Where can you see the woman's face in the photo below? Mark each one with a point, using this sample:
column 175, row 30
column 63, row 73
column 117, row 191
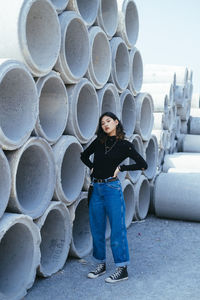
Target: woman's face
column 109, row 125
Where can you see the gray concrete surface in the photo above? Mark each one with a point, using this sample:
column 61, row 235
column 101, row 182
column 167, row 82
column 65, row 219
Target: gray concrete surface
column 165, row 265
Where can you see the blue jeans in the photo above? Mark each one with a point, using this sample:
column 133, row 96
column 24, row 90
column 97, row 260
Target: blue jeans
column 107, row 200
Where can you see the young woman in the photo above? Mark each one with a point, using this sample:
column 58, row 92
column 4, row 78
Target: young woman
column 110, row 149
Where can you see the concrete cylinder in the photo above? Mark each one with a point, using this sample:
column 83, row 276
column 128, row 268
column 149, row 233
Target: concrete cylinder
column 136, row 71
column 138, row 145
column 158, row 120
column 194, row 125
column 81, row 244
column 5, row 182
column 19, row 255
column 53, row 107
column 129, row 198
column 177, row 196
column 181, row 75
column 87, row 9
column 56, row 232
column 191, row 143
column 120, row 71
column 74, row 53
column 181, row 160
column 109, row 100
column 83, row 110
column 184, row 111
column 107, row 17
column 19, row 104
column 30, row 33
column 100, row 60
column 60, row 5
column 128, row 22
column 33, row 177
column 161, row 136
column 128, row 112
column 70, row 171
column 142, row 198
column 144, row 115
column 151, row 155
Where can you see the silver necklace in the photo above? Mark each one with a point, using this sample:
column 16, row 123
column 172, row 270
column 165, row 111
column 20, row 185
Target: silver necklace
column 109, row 148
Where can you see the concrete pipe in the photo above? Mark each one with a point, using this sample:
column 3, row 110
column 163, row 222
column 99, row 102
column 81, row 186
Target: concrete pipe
column 181, row 160
column 109, row 100
column 191, row 143
column 158, row 120
column 81, row 244
column 179, row 95
column 33, row 177
column 56, row 233
column 87, row 9
column 53, row 107
column 181, row 75
column 175, row 170
column 162, row 94
column 87, row 178
column 161, row 155
column 184, row 111
column 138, row 145
column 195, row 101
column 177, row 196
column 107, row 17
column 19, row 255
column 178, row 126
column 151, row 150
column 161, row 136
column 120, row 71
column 5, row 182
column 136, row 71
column 128, row 193
column 100, row 60
column 60, row 5
column 128, row 112
column 30, row 33
column 83, row 111
column 128, row 22
column 194, row 125
column 195, row 112
column 144, row 115
column 74, row 56
column 142, row 198
column 70, row 171
column 185, row 127
column 18, row 104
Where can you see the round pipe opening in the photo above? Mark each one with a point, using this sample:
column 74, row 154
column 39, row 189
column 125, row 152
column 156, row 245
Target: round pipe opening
column 144, row 199
column 129, row 115
column 146, row 117
column 109, row 13
column 88, row 10
column 109, row 102
column 122, row 66
column 132, row 22
column 137, row 72
column 130, row 204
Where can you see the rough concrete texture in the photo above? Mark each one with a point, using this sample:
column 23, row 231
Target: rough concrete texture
column 136, row 71
column 151, row 157
column 59, row 5
column 5, row 182
column 129, row 198
column 164, row 266
column 128, row 112
column 142, row 198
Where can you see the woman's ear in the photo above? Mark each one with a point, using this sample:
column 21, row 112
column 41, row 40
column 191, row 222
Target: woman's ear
column 116, row 122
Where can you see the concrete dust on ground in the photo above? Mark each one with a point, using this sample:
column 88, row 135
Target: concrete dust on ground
column 165, row 265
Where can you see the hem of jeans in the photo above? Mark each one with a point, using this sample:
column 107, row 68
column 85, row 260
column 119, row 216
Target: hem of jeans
column 99, row 260
column 122, row 264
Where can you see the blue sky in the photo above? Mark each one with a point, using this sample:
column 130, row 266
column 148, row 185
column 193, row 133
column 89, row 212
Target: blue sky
column 169, row 33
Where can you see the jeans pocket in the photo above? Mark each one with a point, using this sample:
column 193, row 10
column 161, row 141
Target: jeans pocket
column 116, row 185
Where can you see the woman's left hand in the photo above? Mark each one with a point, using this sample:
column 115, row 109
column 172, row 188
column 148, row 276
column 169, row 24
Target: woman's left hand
column 116, row 172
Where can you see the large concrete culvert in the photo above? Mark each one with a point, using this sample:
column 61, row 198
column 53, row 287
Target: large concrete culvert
column 53, row 107
column 56, row 232
column 19, row 255
column 34, row 29
column 129, row 198
column 70, row 171
column 128, row 112
column 33, row 177
column 142, row 198
column 5, row 182
column 18, row 104
column 81, row 244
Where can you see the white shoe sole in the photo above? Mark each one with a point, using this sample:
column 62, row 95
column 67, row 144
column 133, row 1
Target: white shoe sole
column 109, row 280
column 93, row 276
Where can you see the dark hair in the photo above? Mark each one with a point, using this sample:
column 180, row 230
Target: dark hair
column 101, row 135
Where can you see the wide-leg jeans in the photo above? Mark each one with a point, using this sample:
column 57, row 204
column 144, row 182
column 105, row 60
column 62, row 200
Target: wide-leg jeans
column 107, row 200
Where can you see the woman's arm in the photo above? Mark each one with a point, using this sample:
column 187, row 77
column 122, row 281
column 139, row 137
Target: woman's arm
column 86, row 154
column 140, row 163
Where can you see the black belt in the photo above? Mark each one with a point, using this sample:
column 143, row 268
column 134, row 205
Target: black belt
column 105, row 180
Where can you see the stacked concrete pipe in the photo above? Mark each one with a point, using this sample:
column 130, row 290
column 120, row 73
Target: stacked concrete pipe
column 67, row 157
column 136, row 71
column 5, row 182
column 83, row 103
column 33, row 177
column 129, row 198
column 33, row 28
column 142, row 198
column 56, row 232
column 53, row 107
column 88, row 10
column 128, row 112
column 151, row 154
column 81, row 244
column 74, row 53
column 19, row 104
column 19, row 248
column 60, row 5
column 107, row 17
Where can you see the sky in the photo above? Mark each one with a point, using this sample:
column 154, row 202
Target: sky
column 169, row 33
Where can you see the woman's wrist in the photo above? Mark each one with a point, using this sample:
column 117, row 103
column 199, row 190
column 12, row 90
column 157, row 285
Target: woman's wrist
column 119, row 168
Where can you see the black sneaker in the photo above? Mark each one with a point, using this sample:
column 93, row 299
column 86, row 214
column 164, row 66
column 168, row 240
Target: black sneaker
column 100, row 270
column 120, row 274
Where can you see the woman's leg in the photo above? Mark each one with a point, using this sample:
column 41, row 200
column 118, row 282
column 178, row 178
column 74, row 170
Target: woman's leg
column 97, row 215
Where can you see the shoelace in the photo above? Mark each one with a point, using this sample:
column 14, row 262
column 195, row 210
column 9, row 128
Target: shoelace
column 117, row 273
column 99, row 268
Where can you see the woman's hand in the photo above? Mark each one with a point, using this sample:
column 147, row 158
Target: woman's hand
column 116, row 172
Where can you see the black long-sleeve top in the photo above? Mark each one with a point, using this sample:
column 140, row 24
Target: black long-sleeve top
column 105, row 164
